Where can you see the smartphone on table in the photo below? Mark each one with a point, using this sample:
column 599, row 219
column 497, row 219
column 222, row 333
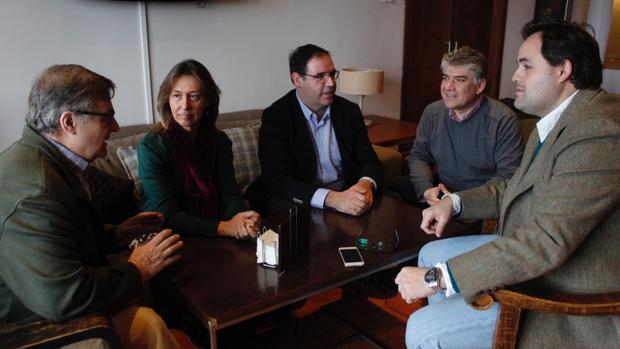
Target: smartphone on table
column 351, row 256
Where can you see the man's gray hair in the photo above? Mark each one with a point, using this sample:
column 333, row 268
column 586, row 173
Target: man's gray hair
column 61, row 88
column 468, row 57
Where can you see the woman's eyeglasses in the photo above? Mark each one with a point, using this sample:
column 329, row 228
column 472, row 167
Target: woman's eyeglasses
column 365, row 244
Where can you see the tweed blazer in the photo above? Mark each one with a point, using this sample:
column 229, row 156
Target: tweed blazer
column 52, row 243
column 559, row 224
column 287, row 153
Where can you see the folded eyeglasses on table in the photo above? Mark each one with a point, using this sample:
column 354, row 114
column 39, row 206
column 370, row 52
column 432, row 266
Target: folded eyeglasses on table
column 366, row 244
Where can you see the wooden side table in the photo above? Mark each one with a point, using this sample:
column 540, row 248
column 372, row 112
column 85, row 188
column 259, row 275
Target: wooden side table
column 388, row 132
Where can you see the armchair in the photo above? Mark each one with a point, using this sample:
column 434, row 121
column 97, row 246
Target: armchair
column 513, row 303
column 46, row 334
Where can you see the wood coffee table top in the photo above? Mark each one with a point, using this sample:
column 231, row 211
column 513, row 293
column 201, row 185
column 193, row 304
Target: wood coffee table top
column 221, row 284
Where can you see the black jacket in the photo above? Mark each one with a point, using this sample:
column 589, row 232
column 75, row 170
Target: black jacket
column 287, row 153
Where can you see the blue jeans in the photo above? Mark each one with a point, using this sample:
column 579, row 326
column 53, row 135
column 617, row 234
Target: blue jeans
column 450, row 322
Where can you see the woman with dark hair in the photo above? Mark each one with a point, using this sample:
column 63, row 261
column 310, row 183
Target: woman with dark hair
column 186, row 164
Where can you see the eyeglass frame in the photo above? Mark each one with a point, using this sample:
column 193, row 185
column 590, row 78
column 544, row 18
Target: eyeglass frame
column 363, row 243
column 334, row 74
column 108, row 115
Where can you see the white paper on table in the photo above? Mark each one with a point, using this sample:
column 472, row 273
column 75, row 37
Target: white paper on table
column 267, row 248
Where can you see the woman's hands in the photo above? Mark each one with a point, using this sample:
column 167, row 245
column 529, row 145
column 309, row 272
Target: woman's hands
column 242, row 226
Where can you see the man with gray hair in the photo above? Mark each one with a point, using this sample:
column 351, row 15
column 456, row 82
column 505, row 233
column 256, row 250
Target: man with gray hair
column 463, row 141
column 52, row 242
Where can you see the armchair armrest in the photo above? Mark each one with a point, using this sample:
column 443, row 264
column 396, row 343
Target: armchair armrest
column 560, row 302
column 47, row 334
column 514, row 302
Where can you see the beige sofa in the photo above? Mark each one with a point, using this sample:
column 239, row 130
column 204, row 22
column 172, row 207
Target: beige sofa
column 241, row 127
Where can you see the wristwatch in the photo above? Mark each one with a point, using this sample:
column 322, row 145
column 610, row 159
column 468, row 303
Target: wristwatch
column 432, row 278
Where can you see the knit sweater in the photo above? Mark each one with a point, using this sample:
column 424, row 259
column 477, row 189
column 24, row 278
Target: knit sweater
column 486, row 147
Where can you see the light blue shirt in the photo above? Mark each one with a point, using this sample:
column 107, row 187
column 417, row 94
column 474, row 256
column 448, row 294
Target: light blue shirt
column 73, row 157
column 329, row 161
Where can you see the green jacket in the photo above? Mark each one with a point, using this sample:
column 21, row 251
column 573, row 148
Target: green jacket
column 163, row 190
column 52, row 243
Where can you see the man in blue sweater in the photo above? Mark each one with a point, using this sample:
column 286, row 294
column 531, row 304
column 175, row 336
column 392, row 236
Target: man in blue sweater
column 463, row 141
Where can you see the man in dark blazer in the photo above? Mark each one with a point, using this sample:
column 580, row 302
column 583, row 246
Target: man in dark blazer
column 53, row 244
column 559, row 215
column 313, row 145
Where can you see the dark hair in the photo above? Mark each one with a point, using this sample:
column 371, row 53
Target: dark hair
column 298, row 59
column 209, row 88
column 569, row 41
column 61, row 88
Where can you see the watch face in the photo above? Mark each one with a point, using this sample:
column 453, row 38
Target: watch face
column 431, row 275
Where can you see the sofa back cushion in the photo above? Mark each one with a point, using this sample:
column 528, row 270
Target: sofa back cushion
column 244, row 147
column 111, row 162
column 132, row 134
column 245, row 153
column 129, row 159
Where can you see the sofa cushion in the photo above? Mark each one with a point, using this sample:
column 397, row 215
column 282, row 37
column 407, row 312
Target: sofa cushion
column 238, row 118
column 244, row 147
column 245, row 153
column 246, row 164
column 391, row 161
column 129, row 159
column 111, row 163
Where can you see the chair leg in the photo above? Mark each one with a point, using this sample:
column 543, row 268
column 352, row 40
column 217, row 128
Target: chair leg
column 507, row 327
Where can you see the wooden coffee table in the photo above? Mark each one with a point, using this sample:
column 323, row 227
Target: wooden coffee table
column 220, row 283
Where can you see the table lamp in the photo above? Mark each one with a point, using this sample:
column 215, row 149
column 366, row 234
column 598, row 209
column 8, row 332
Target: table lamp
column 361, row 82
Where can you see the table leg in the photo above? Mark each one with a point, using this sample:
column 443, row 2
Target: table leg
column 212, row 332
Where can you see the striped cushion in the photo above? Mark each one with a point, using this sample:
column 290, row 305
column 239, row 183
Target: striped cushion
column 245, row 152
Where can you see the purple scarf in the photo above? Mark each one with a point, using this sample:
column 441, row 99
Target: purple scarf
column 197, row 161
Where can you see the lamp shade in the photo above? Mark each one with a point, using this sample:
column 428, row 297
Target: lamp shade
column 361, row 82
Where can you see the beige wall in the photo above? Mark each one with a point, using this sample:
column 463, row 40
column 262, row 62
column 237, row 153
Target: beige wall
column 597, row 13
column 101, row 35
column 244, row 43
column 519, row 12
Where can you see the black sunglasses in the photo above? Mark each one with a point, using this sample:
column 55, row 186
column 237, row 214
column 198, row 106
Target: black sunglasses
column 365, row 244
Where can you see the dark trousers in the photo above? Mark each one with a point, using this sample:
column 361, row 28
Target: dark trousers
column 401, row 189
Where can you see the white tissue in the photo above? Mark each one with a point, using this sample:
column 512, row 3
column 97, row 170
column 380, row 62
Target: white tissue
column 267, row 248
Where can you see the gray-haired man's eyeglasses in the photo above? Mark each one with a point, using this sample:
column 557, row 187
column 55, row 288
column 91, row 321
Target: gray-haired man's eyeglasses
column 109, row 114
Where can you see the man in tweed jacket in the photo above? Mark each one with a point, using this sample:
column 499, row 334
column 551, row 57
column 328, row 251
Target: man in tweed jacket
column 559, row 214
